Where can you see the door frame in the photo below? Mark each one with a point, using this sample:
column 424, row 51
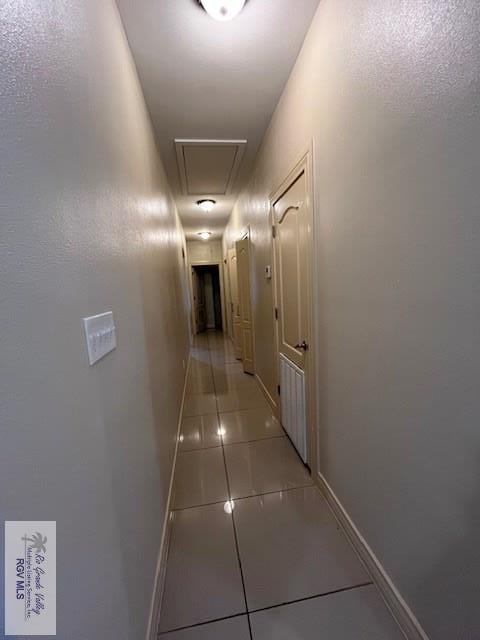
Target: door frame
column 245, row 235
column 303, row 164
column 206, row 263
column 228, row 296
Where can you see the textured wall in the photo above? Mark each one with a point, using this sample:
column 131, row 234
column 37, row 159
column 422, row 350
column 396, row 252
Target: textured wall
column 86, row 225
column 204, row 251
column 389, row 92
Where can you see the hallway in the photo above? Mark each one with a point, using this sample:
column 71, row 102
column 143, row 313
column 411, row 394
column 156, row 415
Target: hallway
column 301, row 176
column 250, row 532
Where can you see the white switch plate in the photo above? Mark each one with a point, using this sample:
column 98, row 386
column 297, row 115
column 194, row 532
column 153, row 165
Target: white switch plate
column 100, row 335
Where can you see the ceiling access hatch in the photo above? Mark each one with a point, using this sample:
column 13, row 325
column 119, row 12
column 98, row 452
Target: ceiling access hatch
column 208, row 167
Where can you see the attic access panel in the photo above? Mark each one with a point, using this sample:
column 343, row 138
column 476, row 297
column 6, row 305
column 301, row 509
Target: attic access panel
column 208, row 167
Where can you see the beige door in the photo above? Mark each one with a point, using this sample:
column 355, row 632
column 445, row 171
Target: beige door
column 199, row 312
column 292, row 228
column 292, row 278
column 246, row 327
column 234, row 303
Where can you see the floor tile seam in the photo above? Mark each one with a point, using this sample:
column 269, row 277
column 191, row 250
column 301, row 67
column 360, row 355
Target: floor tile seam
column 247, row 409
column 255, row 495
column 237, row 546
column 199, row 506
column 262, row 439
column 234, row 444
column 202, row 624
column 287, row 603
column 323, row 594
column 271, row 493
column 204, row 415
column 214, row 446
column 237, row 549
column 229, row 444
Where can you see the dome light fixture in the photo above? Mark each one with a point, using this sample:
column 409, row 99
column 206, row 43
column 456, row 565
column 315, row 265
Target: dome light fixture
column 222, row 10
column 206, row 205
column 204, row 235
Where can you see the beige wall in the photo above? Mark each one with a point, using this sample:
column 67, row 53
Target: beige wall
column 87, row 224
column 204, row 251
column 388, row 91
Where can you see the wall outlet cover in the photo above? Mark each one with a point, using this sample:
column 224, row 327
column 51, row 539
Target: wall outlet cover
column 100, row 334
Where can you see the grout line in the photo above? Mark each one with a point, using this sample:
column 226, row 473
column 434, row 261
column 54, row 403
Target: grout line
column 255, row 495
column 214, row 446
column 234, row 444
column 317, row 595
column 269, row 493
column 233, row 524
column 221, row 413
column 273, row 606
column 237, row 547
column 202, row 624
column 199, row 506
column 230, row 444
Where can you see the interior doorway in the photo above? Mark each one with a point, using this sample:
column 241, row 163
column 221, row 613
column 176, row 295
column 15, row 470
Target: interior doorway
column 207, row 298
column 292, row 220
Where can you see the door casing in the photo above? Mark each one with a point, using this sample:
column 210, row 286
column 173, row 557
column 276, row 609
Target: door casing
column 206, row 263
column 303, row 165
column 245, row 300
column 228, row 297
column 198, row 303
column 234, row 311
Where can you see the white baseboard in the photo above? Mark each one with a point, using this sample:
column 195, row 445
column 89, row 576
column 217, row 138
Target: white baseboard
column 267, row 394
column 400, row 610
column 159, row 581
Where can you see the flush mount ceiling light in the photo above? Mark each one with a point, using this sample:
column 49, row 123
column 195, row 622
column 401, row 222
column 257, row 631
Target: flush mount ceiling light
column 222, row 10
column 204, row 235
column 206, row 205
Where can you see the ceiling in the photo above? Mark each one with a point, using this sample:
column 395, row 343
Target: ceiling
column 211, row 80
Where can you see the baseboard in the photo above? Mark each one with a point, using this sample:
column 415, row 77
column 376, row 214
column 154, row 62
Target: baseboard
column 267, row 394
column 400, row 610
column 159, row 582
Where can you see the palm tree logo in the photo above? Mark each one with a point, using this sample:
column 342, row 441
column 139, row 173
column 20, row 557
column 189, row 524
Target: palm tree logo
column 38, row 542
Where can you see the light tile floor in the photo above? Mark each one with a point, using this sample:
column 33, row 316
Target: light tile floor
column 255, row 553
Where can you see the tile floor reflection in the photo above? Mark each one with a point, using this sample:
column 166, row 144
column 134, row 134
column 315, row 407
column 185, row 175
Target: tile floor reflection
column 255, row 552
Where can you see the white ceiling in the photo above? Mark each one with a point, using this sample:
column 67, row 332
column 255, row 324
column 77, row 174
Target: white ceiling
column 204, row 79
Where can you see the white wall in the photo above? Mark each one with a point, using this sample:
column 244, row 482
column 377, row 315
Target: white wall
column 389, row 92
column 87, row 224
column 204, row 250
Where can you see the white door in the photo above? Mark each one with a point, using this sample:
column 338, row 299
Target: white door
column 234, row 303
column 292, row 280
column 246, row 326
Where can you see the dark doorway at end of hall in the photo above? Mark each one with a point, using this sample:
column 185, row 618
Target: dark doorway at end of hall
column 207, row 298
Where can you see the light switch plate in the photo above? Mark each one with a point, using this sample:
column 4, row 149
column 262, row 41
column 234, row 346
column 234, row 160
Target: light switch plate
column 100, row 335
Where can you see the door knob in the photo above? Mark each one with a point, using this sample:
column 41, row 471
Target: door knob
column 302, row 345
